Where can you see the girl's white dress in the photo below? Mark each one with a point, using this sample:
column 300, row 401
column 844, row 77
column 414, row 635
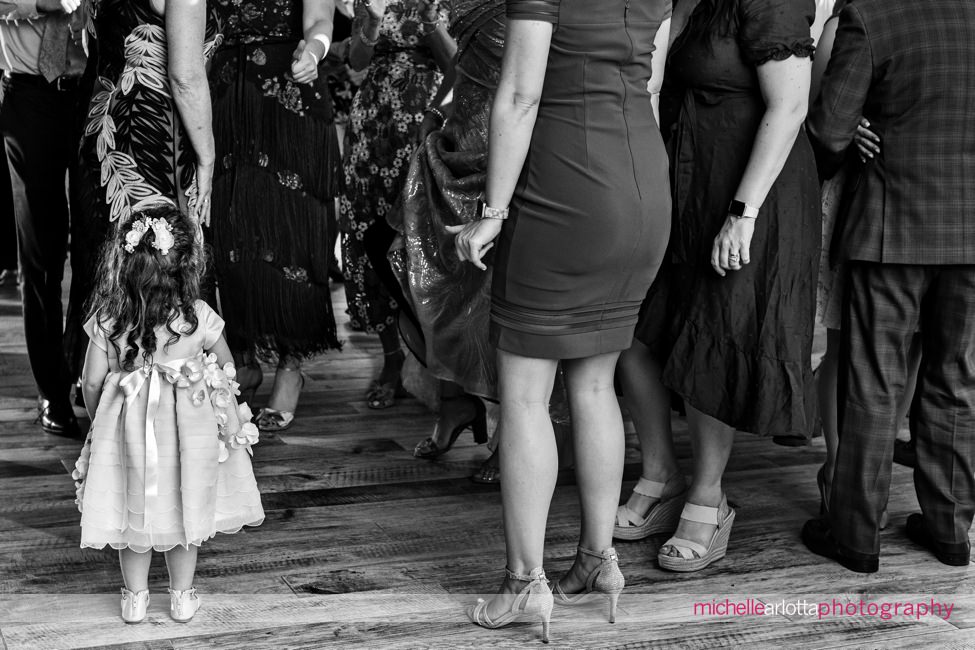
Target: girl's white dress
column 167, row 460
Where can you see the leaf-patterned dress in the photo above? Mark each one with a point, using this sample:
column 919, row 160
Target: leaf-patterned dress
column 134, row 152
column 386, row 114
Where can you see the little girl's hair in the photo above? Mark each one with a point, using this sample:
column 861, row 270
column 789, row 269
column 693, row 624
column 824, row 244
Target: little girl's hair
column 149, row 275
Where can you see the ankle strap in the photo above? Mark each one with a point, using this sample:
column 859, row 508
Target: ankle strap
column 655, row 489
column 609, row 554
column 537, row 574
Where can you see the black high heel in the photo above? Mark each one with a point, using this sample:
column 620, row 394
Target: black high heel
column 430, row 449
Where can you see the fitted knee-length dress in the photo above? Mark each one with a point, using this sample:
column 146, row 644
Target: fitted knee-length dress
column 590, row 218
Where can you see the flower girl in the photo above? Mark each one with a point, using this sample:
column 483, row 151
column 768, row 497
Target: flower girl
column 166, row 464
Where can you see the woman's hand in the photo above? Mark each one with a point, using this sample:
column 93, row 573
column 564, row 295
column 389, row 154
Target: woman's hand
column 427, row 10
column 70, row 6
column 868, row 142
column 376, row 9
column 731, row 246
column 431, row 122
column 204, row 188
column 304, row 61
column 475, row 239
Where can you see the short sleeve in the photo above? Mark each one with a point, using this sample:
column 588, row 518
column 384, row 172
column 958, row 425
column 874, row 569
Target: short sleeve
column 96, row 333
column 211, row 323
column 544, row 10
column 776, row 29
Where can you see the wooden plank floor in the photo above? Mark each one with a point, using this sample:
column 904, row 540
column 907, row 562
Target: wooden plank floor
column 365, row 546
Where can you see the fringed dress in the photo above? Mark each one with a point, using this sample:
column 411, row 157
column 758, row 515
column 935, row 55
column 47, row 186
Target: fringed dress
column 274, row 185
column 166, row 463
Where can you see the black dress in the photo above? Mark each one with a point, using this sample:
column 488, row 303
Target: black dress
column 737, row 348
column 274, row 184
column 591, row 212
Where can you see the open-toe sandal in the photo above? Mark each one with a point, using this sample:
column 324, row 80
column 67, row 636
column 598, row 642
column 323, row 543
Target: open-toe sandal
column 692, row 556
column 663, row 516
column 270, row 420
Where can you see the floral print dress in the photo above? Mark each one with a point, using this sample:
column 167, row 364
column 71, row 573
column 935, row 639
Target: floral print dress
column 274, row 184
column 386, row 114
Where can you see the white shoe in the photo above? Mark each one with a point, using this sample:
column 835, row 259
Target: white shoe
column 134, row 605
column 183, row 604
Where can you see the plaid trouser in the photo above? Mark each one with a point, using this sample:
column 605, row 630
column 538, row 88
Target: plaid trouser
column 885, row 305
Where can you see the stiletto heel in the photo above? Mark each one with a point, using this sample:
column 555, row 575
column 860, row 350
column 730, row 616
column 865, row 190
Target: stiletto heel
column 534, row 601
column 429, row 448
column 613, row 599
column 605, row 579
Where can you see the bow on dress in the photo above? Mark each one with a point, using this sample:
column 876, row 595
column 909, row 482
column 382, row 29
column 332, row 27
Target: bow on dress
column 182, row 373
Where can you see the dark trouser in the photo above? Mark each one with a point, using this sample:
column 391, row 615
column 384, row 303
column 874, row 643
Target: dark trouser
column 40, row 129
column 8, row 225
column 884, row 307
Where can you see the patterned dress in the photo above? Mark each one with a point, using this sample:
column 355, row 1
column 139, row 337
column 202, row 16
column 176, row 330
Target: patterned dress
column 274, row 184
column 452, row 301
column 386, row 115
column 134, row 151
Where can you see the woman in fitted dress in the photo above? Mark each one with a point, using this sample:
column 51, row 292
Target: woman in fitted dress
column 575, row 151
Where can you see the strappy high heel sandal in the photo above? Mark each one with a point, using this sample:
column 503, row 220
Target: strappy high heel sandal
column 604, row 579
column 692, row 556
column 534, row 601
column 270, row 420
column 430, row 449
column 382, row 395
column 662, row 517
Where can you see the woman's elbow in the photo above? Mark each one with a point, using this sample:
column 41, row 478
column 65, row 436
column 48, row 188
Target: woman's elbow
column 187, row 80
column 525, row 103
column 791, row 111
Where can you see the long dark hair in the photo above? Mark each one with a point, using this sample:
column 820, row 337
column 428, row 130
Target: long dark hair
column 142, row 289
column 712, row 18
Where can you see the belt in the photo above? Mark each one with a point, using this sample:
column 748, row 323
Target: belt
column 61, row 84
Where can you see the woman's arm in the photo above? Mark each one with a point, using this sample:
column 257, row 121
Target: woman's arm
column 823, row 50
column 365, row 32
column 436, row 37
column 512, row 122
column 317, row 18
column 185, row 33
column 660, row 44
column 93, row 377
column 785, row 89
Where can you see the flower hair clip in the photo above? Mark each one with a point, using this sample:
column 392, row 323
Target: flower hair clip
column 163, row 241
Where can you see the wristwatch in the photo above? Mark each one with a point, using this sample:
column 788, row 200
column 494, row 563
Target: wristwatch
column 742, row 210
column 484, row 211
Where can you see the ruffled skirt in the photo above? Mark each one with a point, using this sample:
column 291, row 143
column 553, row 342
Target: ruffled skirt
column 175, row 492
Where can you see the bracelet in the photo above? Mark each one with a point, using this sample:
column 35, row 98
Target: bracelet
column 324, row 40
column 434, row 23
column 368, row 42
column 484, row 211
column 439, row 113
